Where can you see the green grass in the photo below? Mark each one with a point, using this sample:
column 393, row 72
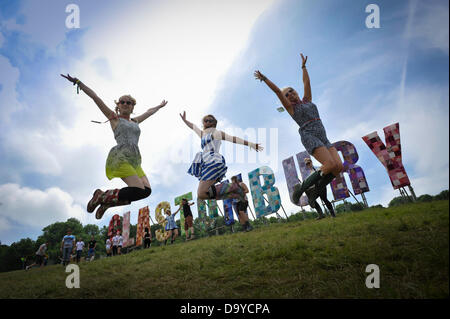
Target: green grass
column 307, row 259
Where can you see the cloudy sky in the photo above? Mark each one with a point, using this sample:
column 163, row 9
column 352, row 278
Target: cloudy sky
column 200, row 56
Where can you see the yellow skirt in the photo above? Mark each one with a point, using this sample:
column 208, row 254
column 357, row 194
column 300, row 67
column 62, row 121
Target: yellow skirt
column 124, row 170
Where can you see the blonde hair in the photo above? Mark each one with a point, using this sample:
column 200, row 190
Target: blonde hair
column 133, row 100
column 287, row 88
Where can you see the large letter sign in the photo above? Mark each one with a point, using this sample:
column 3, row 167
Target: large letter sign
column 338, row 185
column 355, row 172
column 212, row 208
column 127, row 241
column 259, row 190
column 290, row 172
column 161, row 235
column 143, row 222
column 114, row 226
column 390, row 155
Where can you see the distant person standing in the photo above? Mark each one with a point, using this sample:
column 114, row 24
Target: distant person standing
column 147, row 238
column 40, row 254
column 115, row 244
column 188, row 219
column 171, row 226
column 91, row 248
column 242, row 205
column 67, row 246
column 80, row 247
column 108, row 247
column 119, row 243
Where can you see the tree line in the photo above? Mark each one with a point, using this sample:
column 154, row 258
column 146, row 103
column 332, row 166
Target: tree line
column 10, row 256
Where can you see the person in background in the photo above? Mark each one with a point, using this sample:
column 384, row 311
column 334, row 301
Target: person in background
column 147, row 238
column 91, row 248
column 242, row 205
column 80, row 247
column 108, row 247
column 40, row 254
column 171, row 226
column 115, row 244
column 188, row 219
column 119, row 243
column 67, row 246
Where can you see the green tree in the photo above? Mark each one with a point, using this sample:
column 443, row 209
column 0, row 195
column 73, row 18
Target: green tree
column 442, row 195
column 425, row 198
column 91, row 229
column 397, row 201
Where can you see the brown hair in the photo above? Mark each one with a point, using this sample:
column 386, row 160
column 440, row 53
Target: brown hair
column 214, row 119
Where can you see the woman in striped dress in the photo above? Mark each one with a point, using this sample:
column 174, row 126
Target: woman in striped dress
column 209, row 165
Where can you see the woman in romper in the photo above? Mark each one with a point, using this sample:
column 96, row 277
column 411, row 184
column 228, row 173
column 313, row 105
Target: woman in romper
column 209, row 165
column 171, row 226
column 312, row 133
column 124, row 159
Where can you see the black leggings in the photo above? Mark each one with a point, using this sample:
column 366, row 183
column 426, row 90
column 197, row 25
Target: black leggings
column 323, row 197
column 132, row 194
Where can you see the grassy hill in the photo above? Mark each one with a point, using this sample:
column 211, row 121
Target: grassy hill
column 305, row 259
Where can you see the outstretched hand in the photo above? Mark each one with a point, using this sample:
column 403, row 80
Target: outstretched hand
column 71, row 79
column 259, row 76
column 303, row 59
column 163, row 103
column 183, row 116
column 257, row 147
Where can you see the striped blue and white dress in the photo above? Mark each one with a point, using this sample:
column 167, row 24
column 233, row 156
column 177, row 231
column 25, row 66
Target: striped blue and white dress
column 209, row 164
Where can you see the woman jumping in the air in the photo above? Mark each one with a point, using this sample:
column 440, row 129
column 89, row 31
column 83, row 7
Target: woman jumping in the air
column 312, row 133
column 124, row 159
column 209, row 165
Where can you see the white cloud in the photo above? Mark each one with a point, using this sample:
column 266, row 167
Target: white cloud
column 153, row 53
column 37, row 208
column 8, row 94
column 430, row 27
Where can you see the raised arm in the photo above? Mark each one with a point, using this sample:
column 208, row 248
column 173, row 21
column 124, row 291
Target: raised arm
column 306, row 84
column 191, row 125
column 259, row 76
column 150, row 112
column 110, row 114
column 236, row 140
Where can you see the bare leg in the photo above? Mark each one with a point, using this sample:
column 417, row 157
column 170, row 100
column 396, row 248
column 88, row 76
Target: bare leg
column 203, row 187
column 134, row 181
column 145, row 181
column 243, row 218
column 337, row 160
column 324, row 156
column 175, row 235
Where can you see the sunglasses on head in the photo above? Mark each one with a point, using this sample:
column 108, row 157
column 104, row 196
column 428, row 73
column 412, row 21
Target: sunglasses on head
column 126, row 102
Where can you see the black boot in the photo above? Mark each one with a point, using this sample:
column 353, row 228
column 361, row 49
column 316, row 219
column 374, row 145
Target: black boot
column 325, row 180
column 300, row 188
